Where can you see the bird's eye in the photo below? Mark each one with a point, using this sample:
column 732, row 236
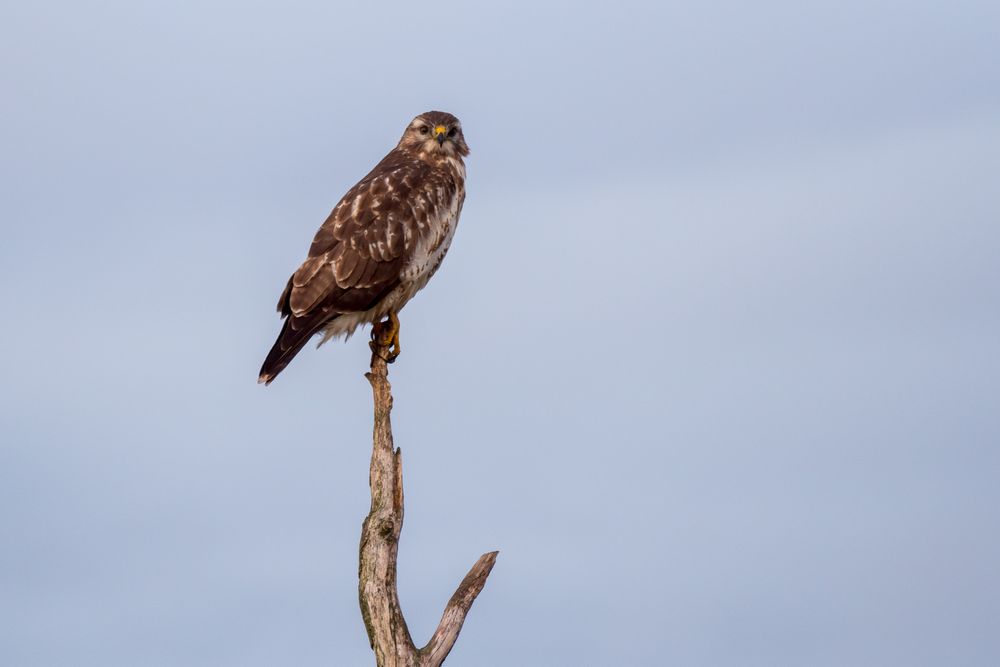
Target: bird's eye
column 452, row 131
column 424, row 129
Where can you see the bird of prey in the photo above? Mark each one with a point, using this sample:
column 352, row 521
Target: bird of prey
column 379, row 246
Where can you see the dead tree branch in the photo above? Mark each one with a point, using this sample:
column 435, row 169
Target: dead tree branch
column 377, row 593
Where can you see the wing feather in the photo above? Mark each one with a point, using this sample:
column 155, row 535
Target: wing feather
column 344, row 261
column 358, row 254
column 309, row 293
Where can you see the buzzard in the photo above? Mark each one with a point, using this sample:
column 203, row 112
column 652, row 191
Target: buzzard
column 379, row 246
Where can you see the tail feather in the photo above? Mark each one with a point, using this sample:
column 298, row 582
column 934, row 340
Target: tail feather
column 295, row 333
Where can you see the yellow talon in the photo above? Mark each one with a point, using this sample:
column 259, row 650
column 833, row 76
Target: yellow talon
column 386, row 335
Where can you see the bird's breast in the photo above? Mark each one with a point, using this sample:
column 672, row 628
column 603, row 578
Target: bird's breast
column 433, row 241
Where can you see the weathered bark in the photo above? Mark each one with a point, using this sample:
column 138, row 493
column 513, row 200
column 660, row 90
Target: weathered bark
column 387, row 631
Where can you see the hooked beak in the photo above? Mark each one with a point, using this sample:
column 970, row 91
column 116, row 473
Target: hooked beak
column 440, row 133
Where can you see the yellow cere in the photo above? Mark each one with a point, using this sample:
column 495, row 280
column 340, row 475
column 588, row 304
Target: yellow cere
column 440, row 129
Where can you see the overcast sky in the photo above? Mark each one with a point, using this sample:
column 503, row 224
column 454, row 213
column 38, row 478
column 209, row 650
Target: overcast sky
column 714, row 360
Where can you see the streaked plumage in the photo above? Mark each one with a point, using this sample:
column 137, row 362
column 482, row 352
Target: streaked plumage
column 382, row 242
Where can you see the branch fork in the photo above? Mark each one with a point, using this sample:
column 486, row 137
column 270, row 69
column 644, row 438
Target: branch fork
column 387, row 632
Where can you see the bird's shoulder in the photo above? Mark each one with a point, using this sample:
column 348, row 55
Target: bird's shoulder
column 378, row 204
column 368, row 238
column 360, row 246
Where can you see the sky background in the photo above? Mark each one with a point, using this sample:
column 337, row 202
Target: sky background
column 714, row 360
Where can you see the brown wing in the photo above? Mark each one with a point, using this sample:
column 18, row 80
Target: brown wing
column 356, row 257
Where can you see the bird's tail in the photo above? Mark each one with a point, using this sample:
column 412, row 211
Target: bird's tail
column 295, row 333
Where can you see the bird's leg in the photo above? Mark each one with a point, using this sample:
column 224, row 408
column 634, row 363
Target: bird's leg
column 394, row 324
column 386, row 334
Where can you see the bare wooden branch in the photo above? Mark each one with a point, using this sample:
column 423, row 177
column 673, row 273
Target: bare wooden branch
column 444, row 637
column 377, row 592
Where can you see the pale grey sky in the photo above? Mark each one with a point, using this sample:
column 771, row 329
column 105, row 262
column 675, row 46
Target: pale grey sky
column 714, row 360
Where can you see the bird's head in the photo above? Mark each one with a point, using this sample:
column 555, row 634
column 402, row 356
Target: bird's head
column 435, row 133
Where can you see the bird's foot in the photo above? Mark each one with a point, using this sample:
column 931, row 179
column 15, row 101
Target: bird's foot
column 385, row 337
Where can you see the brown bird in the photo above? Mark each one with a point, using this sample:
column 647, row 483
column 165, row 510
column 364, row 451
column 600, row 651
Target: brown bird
column 380, row 245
